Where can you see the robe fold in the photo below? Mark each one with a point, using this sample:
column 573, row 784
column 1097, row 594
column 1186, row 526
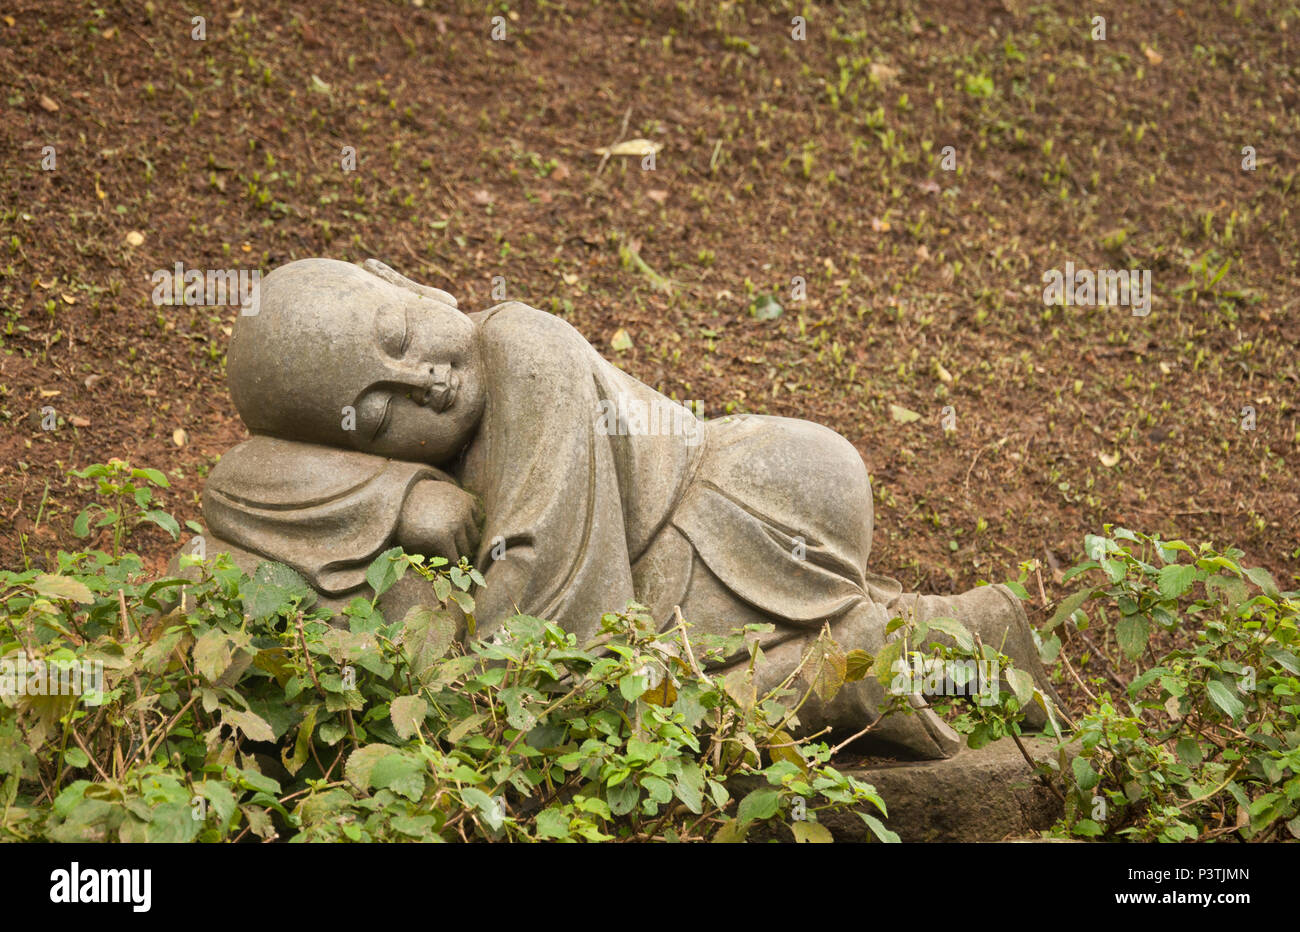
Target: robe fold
column 326, row 513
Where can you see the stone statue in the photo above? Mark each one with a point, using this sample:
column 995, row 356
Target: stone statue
column 381, row 414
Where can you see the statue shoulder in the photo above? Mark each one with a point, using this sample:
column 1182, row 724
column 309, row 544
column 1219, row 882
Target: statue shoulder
column 514, row 330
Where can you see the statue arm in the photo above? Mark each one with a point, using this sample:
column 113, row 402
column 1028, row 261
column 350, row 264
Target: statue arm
column 554, row 543
column 439, row 519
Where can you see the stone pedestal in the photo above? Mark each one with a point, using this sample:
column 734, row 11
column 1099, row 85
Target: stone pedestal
column 976, row 796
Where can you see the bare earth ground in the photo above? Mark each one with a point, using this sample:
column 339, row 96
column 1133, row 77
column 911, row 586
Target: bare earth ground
column 780, row 158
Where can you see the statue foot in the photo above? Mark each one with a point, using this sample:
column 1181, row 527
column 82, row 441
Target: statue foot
column 995, row 614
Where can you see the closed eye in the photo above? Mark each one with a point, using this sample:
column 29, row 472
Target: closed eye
column 383, row 419
column 406, row 330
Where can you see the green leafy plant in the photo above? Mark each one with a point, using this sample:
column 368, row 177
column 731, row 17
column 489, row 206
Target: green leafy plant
column 1203, row 742
column 227, row 707
column 127, row 498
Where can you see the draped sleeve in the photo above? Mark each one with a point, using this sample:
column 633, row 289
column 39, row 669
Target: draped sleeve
column 325, row 512
column 554, row 544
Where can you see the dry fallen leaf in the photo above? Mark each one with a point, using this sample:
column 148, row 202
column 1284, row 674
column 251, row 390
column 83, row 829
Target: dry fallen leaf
column 47, row 103
column 1108, row 459
column 569, row 278
column 621, row 340
column 944, row 375
column 134, row 239
column 882, row 72
column 631, row 147
column 1152, row 55
column 93, row 380
column 903, row 415
column 657, row 195
column 179, row 437
column 879, row 226
column 68, row 299
column 481, row 197
column 49, row 392
column 560, row 171
column 78, row 421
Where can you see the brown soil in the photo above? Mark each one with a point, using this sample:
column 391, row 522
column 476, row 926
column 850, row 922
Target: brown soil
column 780, row 158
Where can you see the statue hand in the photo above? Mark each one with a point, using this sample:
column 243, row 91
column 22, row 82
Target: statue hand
column 439, row 519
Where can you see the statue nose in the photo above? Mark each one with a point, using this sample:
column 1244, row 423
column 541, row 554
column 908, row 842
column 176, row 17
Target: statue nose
column 441, row 388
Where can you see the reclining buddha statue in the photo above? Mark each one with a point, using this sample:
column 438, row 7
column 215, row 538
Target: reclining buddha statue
column 382, row 415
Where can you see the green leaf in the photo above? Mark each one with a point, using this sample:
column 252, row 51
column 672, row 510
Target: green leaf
column 486, row 806
column 164, row 521
column 857, row 664
column 1086, row 828
column 401, row 773
column 551, row 823
column 63, row 588
column 766, row 307
column 465, row 726
column 274, row 587
column 1068, row 608
column 153, row 475
column 222, row 800
column 1225, row 699
column 1262, row 578
column 362, row 761
column 385, row 570
column 622, row 797
column 878, row 829
column 407, row 713
column 1132, row 633
column 250, row 723
column 690, row 787
column 1084, row 775
column 212, row 654
column 885, row 660
column 1175, row 579
column 427, row 635
column 955, row 630
column 631, row 686
column 1022, row 684
column 811, row 833
column 1189, row 751
column 759, row 805
column 76, row 757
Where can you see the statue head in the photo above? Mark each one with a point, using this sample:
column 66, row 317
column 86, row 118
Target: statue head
column 360, row 358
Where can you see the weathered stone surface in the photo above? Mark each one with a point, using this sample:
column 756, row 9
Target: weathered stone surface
column 975, row 796
column 382, row 414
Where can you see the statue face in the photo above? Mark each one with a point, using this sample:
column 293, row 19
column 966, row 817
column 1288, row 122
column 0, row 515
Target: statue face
column 339, row 356
column 425, row 397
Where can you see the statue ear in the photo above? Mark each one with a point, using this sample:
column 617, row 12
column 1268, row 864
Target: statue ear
column 375, row 267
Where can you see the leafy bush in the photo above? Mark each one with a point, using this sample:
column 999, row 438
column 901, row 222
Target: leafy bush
column 1203, row 741
column 234, row 708
column 241, row 713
